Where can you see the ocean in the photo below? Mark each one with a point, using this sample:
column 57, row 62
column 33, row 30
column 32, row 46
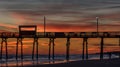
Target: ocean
column 43, row 59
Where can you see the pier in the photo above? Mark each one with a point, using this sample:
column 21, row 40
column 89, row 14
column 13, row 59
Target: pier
column 30, row 31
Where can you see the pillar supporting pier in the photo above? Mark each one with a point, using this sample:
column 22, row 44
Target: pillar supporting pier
column 35, row 43
column 119, row 47
column 85, row 48
column 51, row 50
column 4, row 41
column 67, row 49
column 101, row 48
column 19, row 40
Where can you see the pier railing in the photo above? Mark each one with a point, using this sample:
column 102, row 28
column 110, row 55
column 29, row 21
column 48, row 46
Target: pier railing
column 62, row 35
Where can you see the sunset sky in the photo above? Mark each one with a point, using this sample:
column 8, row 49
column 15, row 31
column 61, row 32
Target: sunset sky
column 61, row 16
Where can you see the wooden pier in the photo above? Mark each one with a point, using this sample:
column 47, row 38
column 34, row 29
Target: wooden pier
column 52, row 36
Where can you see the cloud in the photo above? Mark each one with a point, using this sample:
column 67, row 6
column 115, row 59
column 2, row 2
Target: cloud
column 73, row 14
column 7, row 27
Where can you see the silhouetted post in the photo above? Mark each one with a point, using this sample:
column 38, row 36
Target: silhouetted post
column 6, row 49
column 51, row 43
column 97, row 25
column 86, row 39
column 44, row 26
column 19, row 40
column 101, row 48
column 21, row 50
column 53, row 50
column 17, row 48
column 1, row 50
column 119, row 47
column 33, row 50
column 36, row 43
column 83, row 54
column 4, row 40
column 67, row 49
column 49, row 53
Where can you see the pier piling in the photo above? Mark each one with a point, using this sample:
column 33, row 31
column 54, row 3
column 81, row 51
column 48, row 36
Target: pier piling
column 101, row 48
column 49, row 51
column 4, row 41
column 67, row 49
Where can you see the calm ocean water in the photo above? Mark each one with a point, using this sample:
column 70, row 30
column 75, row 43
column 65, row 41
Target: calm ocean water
column 43, row 59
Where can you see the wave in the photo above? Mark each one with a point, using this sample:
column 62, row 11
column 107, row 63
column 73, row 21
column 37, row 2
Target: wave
column 44, row 58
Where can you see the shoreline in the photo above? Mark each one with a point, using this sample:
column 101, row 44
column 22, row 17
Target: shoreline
column 82, row 63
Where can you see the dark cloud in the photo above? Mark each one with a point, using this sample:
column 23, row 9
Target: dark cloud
column 44, row 7
column 72, row 12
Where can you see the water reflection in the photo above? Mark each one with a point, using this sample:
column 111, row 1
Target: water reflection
column 27, row 61
column 21, row 63
column 5, row 63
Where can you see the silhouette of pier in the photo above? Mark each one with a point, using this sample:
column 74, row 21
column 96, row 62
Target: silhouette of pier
column 30, row 31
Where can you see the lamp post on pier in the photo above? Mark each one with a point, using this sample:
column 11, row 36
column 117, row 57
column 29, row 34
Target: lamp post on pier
column 44, row 26
column 97, row 24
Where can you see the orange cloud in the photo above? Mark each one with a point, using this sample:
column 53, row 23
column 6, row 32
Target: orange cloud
column 65, row 28
column 8, row 27
column 78, row 24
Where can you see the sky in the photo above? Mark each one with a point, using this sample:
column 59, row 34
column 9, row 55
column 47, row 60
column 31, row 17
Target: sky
column 61, row 16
